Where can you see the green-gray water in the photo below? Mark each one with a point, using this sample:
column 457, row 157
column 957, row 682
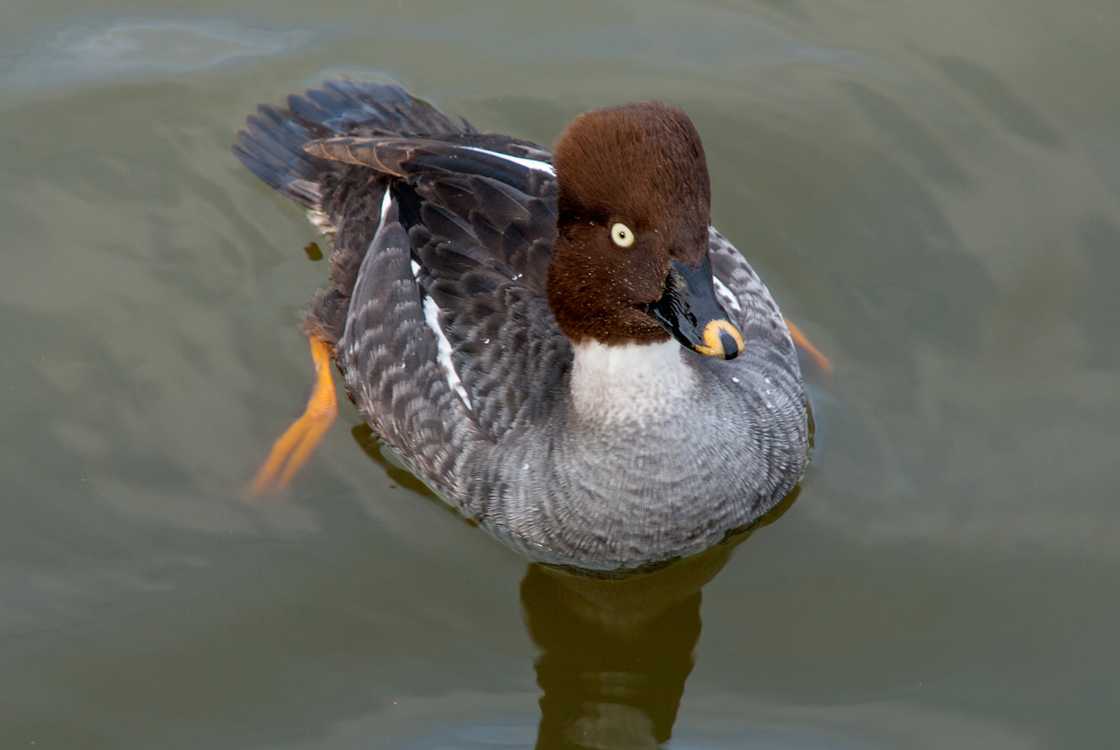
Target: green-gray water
column 931, row 190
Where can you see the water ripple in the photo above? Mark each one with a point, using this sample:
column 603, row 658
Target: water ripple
column 146, row 47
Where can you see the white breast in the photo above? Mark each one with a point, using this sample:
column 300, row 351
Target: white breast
column 630, row 382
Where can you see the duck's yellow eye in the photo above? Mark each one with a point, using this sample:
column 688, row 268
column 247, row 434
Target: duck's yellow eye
column 621, row 234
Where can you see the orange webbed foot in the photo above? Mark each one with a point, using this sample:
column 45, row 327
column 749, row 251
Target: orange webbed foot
column 802, row 341
column 295, row 446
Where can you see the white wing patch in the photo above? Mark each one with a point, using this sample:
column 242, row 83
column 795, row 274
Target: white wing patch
column 540, row 166
column 727, row 296
column 431, row 317
column 386, row 203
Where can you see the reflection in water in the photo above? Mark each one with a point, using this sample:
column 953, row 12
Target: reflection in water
column 371, row 446
column 615, row 652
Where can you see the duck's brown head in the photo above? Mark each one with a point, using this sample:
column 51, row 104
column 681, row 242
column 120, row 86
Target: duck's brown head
column 631, row 263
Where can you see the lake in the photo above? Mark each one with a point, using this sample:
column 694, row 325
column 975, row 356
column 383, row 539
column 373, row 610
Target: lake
column 932, row 193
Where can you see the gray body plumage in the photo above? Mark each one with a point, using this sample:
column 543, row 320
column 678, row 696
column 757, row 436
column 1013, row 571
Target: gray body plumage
column 449, row 349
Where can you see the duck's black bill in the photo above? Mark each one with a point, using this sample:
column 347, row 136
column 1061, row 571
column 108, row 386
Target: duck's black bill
column 690, row 312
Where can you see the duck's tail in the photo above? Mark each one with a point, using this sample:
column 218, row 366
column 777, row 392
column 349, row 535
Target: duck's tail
column 271, row 145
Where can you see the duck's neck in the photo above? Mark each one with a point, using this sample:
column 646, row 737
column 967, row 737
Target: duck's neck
column 628, row 382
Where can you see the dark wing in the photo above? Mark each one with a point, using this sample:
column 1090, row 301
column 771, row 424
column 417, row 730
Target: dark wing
column 515, row 163
column 747, row 300
column 480, row 218
column 272, row 143
column 343, row 200
column 390, row 359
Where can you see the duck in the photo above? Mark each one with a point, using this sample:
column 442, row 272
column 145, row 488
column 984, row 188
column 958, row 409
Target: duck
column 558, row 343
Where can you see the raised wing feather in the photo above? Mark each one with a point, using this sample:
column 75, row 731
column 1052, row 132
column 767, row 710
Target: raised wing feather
column 480, row 229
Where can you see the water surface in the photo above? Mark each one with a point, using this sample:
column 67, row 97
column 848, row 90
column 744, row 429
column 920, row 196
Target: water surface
column 931, row 190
